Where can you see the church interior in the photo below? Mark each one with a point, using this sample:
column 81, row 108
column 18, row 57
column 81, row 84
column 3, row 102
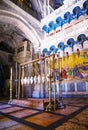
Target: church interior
column 44, row 64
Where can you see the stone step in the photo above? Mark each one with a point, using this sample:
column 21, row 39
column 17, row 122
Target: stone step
column 32, row 103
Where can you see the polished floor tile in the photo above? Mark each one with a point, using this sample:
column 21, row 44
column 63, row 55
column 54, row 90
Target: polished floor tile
column 79, row 122
column 44, row 119
column 68, row 110
column 4, row 106
column 23, row 113
column 18, row 117
column 6, row 123
column 7, row 110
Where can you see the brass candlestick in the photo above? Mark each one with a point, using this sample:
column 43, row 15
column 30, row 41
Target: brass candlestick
column 54, row 82
column 49, row 106
column 23, row 81
column 10, row 101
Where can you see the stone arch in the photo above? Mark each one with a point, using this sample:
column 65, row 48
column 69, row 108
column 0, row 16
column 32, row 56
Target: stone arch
column 18, row 21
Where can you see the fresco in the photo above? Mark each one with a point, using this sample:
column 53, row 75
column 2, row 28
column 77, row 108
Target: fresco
column 75, row 66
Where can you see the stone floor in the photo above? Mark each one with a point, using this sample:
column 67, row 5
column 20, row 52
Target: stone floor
column 18, row 117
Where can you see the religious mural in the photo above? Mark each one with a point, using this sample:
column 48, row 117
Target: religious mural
column 74, row 66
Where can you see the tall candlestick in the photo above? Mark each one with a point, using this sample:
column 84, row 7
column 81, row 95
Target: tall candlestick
column 49, row 107
column 16, row 81
column 10, row 101
column 23, row 81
